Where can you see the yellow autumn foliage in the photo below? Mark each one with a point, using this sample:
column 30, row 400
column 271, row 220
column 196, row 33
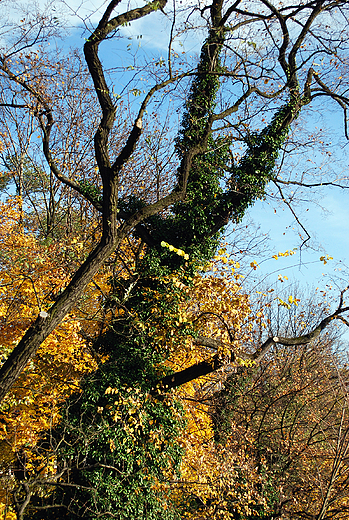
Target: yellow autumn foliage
column 32, row 272
column 217, row 308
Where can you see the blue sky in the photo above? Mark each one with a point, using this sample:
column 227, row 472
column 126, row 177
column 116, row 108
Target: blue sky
column 329, row 229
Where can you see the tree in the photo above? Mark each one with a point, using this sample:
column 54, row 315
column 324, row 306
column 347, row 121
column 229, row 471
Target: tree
column 175, row 228
column 247, row 179
column 290, row 420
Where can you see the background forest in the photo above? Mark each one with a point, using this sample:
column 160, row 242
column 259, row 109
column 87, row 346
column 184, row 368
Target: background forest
column 143, row 375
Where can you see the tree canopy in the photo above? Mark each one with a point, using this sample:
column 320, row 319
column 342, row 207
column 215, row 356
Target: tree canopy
column 124, row 322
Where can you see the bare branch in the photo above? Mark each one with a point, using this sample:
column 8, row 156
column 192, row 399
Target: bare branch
column 293, row 212
column 277, row 180
column 216, row 362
